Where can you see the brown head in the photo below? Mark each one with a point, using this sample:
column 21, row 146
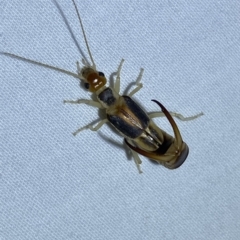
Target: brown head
column 93, row 79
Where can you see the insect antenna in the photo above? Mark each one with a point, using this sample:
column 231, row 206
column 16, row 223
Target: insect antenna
column 40, row 64
column 54, row 67
column 84, row 34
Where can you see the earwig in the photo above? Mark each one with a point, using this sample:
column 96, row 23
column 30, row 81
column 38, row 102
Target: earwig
column 140, row 133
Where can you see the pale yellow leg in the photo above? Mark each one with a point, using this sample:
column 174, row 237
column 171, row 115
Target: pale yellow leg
column 137, row 160
column 85, row 101
column 173, row 114
column 91, row 127
column 117, row 82
column 137, row 83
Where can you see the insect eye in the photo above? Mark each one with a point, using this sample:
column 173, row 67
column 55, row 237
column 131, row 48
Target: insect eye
column 86, row 85
column 101, row 74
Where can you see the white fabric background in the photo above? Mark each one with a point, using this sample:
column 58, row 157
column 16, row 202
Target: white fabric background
column 56, row 186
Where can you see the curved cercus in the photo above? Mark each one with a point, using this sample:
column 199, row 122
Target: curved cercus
column 176, row 131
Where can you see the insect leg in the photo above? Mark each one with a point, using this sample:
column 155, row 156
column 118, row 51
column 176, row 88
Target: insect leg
column 137, row 160
column 117, row 83
column 85, row 101
column 173, row 114
column 138, row 83
column 91, row 126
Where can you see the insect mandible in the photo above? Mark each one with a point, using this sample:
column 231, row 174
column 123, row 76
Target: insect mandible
column 140, row 133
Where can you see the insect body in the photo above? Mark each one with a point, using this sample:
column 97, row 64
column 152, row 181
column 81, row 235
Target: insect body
column 140, row 133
